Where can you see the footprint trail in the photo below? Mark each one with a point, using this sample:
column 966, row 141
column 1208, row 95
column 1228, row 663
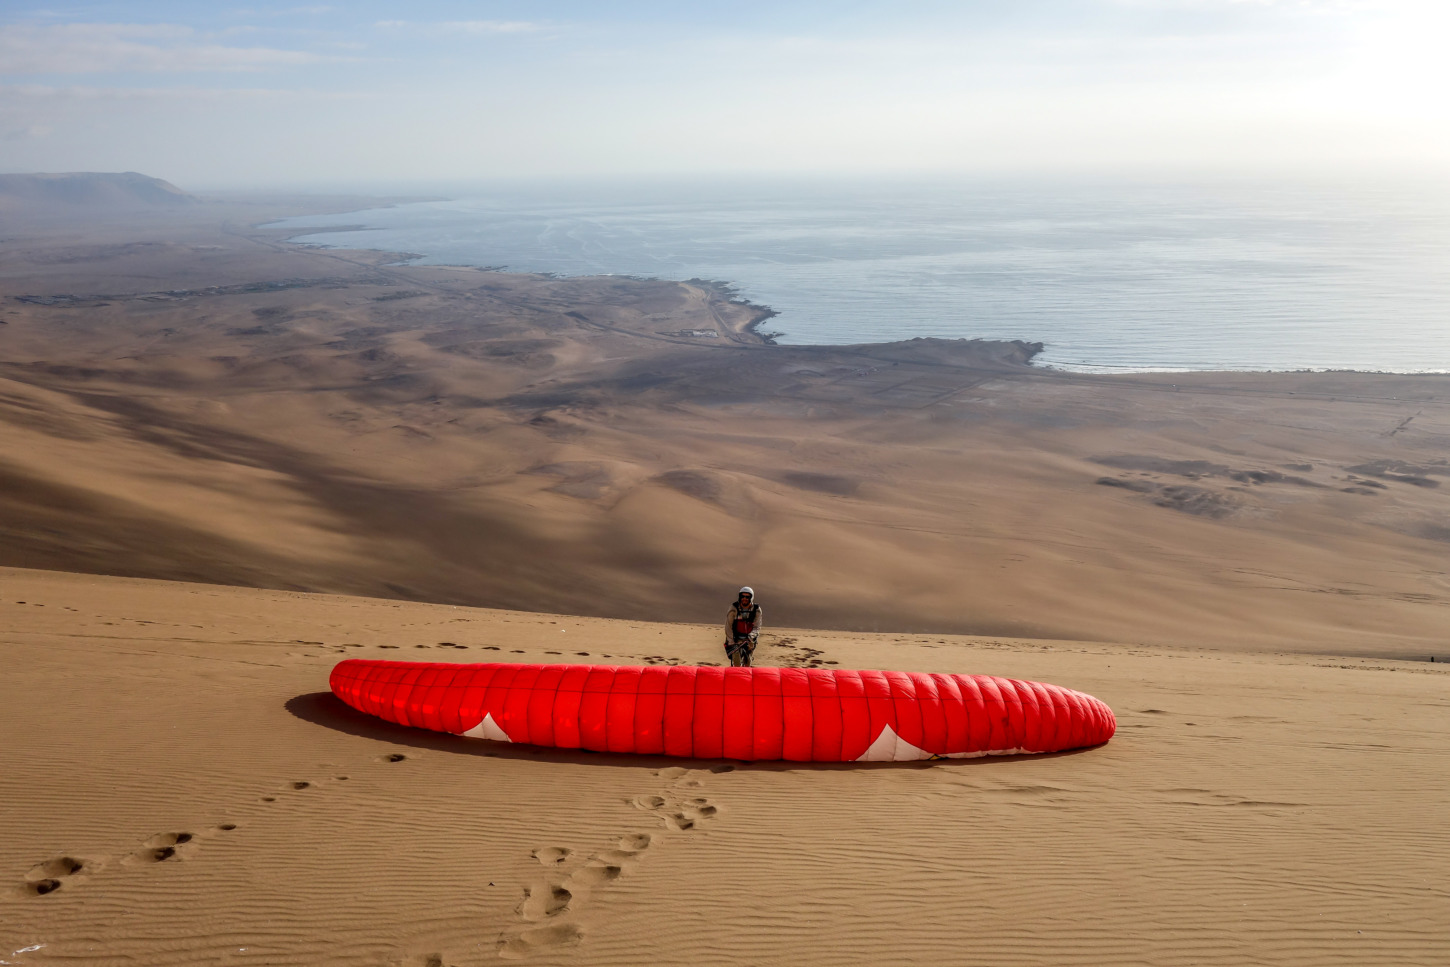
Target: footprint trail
column 548, row 915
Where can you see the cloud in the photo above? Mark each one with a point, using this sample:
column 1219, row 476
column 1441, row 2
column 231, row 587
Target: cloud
column 28, row 132
column 284, row 11
column 492, row 26
column 96, row 48
column 464, row 26
column 16, row 96
column 1304, row 6
column 1286, row 9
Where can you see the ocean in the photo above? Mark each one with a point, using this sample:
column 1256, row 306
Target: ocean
column 1111, row 276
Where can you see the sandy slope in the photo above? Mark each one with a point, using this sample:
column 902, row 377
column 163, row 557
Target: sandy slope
column 188, row 398
column 172, row 741
column 325, row 421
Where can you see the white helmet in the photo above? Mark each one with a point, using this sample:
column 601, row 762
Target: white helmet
column 747, row 590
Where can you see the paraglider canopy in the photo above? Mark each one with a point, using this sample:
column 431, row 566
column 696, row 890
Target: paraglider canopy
column 708, row 712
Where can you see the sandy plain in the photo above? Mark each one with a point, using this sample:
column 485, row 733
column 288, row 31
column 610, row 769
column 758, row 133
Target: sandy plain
column 1250, row 568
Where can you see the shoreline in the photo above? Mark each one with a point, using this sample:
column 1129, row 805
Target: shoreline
column 731, row 289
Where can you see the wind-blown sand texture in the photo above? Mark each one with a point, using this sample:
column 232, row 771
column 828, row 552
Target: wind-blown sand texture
column 1252, row 809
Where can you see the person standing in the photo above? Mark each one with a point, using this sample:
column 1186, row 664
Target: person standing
column 742, row 629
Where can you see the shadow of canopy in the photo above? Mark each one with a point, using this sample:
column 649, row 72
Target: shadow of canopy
column 327, row 710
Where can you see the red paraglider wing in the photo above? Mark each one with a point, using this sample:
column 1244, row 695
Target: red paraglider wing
column 797, row 714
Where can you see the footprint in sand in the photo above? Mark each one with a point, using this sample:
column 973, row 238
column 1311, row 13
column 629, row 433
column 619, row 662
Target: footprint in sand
column 425, row 960
column 551, row 855
column 691, row 814
column 598, row 870
column 524, row 943
column 680, row 777
column 544, row 901
column 549, row 901
column 163, row 847
column 301, row 784
column 51, row 875
column 678, row 814
column 635, row 842
column 682, row 812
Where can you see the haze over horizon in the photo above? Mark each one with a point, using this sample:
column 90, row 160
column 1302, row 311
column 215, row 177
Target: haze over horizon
column 278, row 95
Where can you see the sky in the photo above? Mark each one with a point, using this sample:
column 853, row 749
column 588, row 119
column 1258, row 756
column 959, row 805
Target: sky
column 370, row 94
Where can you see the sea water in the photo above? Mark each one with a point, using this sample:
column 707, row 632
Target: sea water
column 1110, row 276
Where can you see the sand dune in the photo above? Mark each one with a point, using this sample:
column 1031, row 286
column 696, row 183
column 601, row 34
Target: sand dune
column 179, row 400
column 184, row 397
column 187, row 793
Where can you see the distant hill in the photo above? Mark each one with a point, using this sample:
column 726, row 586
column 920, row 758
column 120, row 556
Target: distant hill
column 88, row 190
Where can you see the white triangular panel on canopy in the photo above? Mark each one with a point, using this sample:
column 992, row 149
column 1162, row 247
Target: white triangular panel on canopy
column 890, row 747
column 487, row 729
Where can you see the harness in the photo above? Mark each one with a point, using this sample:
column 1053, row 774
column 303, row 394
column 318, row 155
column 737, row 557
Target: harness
column 745, row 620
